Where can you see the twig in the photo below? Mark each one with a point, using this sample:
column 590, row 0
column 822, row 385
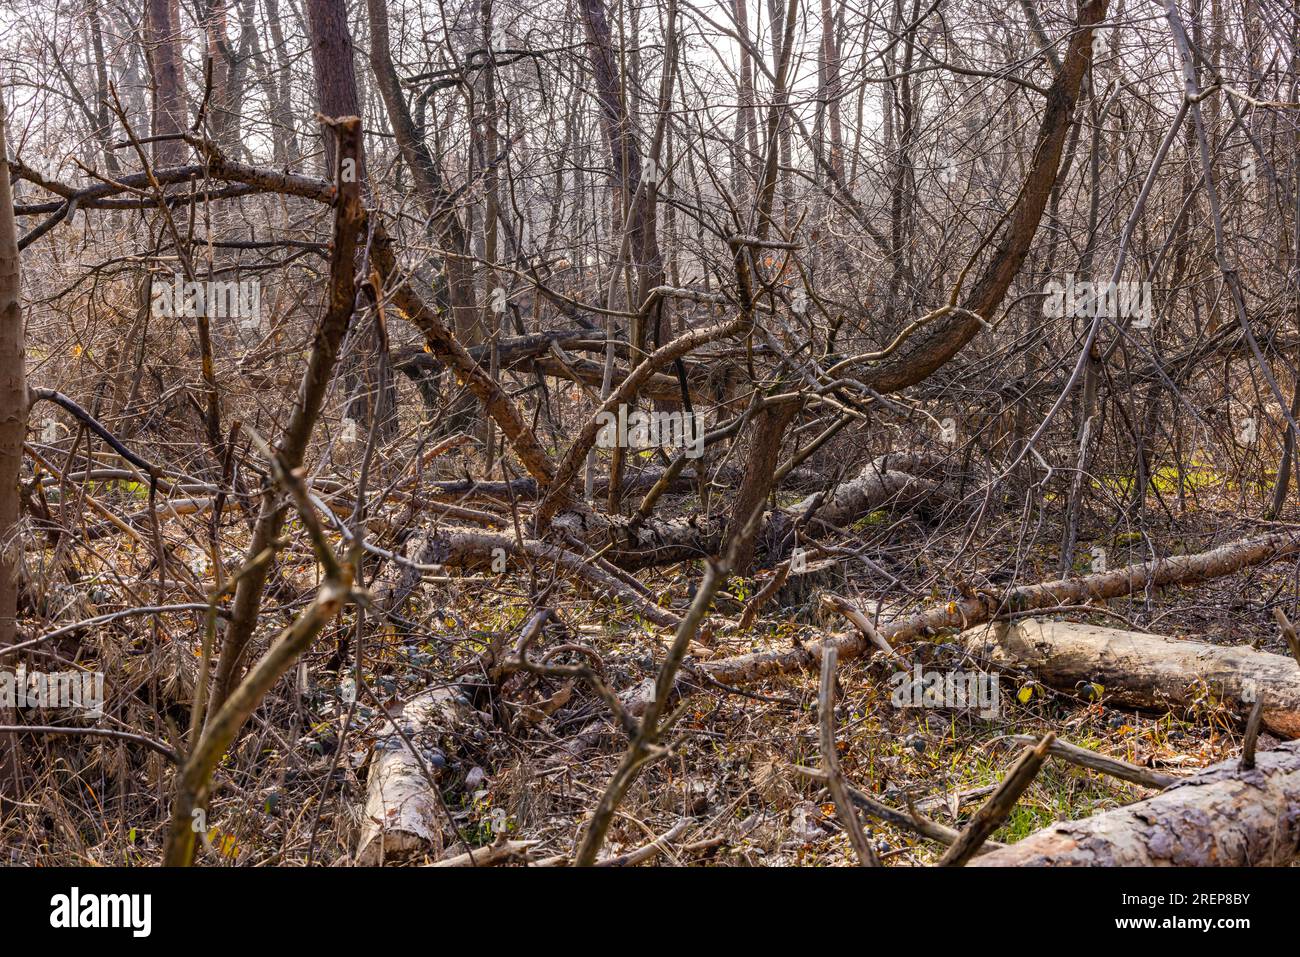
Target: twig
column 910, row 820
column 995, row 810
column 766, row 592
column 158, row 746
column 1247, row 762
column 831, row 765
column 1288, row 632
column 961, row 797
column 90, row 422
column 102, row 620
column 648, row 851
column 859, row 621
column 192, row 783
column 1116, row 768
column 645, row 747
column 502, row 852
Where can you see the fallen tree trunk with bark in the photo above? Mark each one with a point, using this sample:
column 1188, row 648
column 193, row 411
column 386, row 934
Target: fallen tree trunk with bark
column 403, row 813
column 529, row 352
column 1221, row 817
column 1147, row 671
column 889, row 479
column 884, row 483
column 959, row 615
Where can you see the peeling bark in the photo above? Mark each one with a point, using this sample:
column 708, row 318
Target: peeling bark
column 882, row 481
column 403, row 813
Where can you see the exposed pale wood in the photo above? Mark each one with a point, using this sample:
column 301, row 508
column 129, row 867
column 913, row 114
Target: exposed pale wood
column 1147, row 671
column 1176, row 570
column 403, row 813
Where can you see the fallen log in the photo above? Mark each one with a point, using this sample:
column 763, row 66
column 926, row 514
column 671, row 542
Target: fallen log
column 661, row 387
column 444, row 547
column 527, row 352
column 1146, row 671
column 1220, row 817
column 887, row 480
column 959, row 615
column 403, row 813
column 526, row 488
column 881, row 484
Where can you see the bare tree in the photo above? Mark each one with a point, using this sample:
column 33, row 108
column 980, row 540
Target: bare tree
column 170, row 111
column 13, row 429
column 545, row 394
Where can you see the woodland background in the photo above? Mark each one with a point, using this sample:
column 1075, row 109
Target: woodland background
column 363, row 582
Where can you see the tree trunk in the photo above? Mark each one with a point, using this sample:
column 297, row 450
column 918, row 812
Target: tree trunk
column 885, row 480
column 222, row 121
column 288, row 154
column 293, row 442
column 162, row 39
column 403, row 813
column 936, row 343
column 765, row 449
column 746, row 143
column 636, row 205
column 103, row 119
column 1221, row 817
column 428, row 182
column 336, row 78
column 13, row 429
column 1178, row 570
column 1148, row 671
column 831, row 92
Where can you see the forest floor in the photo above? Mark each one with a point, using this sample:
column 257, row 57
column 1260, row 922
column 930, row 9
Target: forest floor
column 297, row 780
